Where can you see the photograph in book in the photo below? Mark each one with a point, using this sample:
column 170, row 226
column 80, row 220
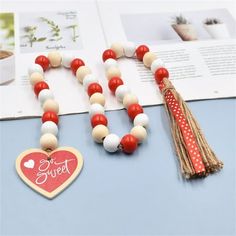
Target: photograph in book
column 179, row 26
column 46, row 31
column 7, row 45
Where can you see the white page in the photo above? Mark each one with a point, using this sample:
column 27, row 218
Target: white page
column 17, row 96
column 140, row 22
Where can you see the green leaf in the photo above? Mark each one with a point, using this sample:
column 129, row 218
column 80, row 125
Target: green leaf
column 41, row 39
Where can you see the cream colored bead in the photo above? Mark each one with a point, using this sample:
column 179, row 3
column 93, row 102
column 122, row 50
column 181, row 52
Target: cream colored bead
column 48, row 142
column 148, row 58
column 51, row 105
column 118, row 49
column 82, row 72
column 139, row 132
column 113, row 72
column 55, row 59
column 99, row 132
column 97, row 98
column 35, row 78
column 129, row 99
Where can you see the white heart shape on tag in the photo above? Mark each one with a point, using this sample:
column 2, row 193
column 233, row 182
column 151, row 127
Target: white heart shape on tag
column 29, row 164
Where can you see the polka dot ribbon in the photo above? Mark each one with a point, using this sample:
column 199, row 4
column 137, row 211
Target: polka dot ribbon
column 189, row 139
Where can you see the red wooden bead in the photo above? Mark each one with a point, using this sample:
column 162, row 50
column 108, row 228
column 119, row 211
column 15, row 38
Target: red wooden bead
column 98, row 119
column 129, row 143
column 134, row 110
column 50, row 116
column 76, row 64
column 160, row 74
column 140, row 51
column 94, row 88
column 42, row 61
column 108, row 54
column 40, row 86
column 114, row 82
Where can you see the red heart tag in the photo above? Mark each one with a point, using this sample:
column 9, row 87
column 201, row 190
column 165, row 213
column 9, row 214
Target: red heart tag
column 49, row 173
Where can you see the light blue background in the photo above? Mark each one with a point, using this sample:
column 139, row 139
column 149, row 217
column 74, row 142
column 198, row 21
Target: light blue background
column 141, row 194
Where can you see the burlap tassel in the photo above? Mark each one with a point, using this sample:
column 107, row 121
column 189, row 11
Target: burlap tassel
column 209, row 158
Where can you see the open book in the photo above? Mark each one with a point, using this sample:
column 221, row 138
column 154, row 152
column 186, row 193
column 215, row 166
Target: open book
column 198, row 47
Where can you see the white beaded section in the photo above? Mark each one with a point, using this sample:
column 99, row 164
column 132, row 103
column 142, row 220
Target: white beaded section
column 96, row 108
column 156, row 64
column 121, row 91
column 129, row 49
column 44, row 95
column 118, row 49
column 35, row 68
column 110, row 63
column 89, row 79
column 82, row 72
column 111, row 143
column 54, row 59
column 67, row 59
column 141, row 119
column 49, row 127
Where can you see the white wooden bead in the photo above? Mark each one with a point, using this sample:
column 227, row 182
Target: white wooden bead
column 49, row 127
column 44, row 95
column 82, row 72
column 111, row 143
column 54, row 59
column 36, row 77
column 35, row 68
column 67, row 58
column 51, row 105
column 141, row 119
column 139, row 132
column 99, row 132
column 89, row 79
column 148, row 58
column 97, row 98
column 48, row 142
column 118, row 49
column 156, row 64
column 113, row 72
column 129, row 99
column 121, row 91
column 129, row 49
column 96, row 108
column 110, row 63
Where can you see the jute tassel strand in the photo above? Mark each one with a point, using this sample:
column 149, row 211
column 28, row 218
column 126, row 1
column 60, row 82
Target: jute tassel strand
column 188, row 163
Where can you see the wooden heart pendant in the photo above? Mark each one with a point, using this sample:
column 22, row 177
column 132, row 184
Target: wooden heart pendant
column 49, row 173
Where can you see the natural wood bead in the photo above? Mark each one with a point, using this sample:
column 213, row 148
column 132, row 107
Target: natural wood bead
column 139, row 132
column 51, row 105
column 48, row 142
column 97, row 98
column 113, row 72
column 82, row 72
column 99, row 132
column 118, row 49
column 148, row 58
column 129, row 99
column 55, row 59
column 35, row 78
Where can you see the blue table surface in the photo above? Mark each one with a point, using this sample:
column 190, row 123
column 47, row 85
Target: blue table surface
column 142, row 194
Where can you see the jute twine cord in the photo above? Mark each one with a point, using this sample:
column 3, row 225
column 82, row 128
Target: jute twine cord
column 209, row 158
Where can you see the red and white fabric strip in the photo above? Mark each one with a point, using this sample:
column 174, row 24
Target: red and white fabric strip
column 186, row 131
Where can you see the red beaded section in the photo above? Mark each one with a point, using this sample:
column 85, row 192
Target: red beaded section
column 160, row 74
column 134, row 110
column 76, row 64
column 94, row 88
column 108, row 54
column 115, row 82
column 129, row 143
column 38, row 87
column 140, row 51
column 98, row 119
column 43, row 62
column 50, row 116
